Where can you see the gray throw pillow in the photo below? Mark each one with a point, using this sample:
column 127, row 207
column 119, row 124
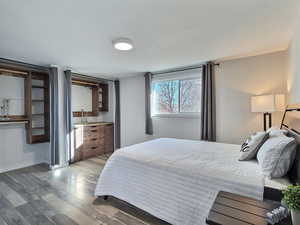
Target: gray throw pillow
column 276, row 156
column 250, row 148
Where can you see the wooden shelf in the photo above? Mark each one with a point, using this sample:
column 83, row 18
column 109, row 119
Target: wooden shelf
column 84, row 83
column 32, row 136
column 7, row 122
column 11, row 72
column 15, row 120
column 36, row 86
column 38, row 128
column 103, row 100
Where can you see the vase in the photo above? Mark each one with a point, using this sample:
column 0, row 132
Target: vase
column 295, row 217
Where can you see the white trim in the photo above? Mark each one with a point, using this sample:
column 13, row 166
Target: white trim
column 176, row 115
column 182, row 75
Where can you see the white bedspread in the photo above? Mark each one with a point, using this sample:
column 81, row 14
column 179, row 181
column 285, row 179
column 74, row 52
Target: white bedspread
column 177, row 180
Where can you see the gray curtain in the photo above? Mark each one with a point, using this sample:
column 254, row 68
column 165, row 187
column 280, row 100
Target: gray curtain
column 208, row 102
column 149, row 125
column 68, row 114
column 54, row 136
column 117, row 115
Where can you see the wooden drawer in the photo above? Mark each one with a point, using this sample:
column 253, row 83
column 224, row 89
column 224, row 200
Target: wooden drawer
column 109, row 139
column 93, row 131
column 91, row 151
column 93, row 139
column 100, row 150
column 93, row 128
column 93, row 144
column 88, row 153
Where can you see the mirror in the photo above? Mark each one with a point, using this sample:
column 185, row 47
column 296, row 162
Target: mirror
column 85, row 97
column 82, row 98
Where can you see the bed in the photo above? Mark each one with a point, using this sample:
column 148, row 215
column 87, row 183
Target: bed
column 177, row 180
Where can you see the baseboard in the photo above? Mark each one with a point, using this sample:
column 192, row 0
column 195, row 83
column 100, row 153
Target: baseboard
column 22, row 165
column 58, row 166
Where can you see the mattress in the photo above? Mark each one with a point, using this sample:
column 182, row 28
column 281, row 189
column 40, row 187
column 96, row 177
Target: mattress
column 177, row 180
column 277, row 183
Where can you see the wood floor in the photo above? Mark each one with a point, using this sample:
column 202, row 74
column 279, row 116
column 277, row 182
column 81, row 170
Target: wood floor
column 35, row 195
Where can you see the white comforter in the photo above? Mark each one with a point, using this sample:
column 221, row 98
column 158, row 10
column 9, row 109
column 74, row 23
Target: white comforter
column 177, row 180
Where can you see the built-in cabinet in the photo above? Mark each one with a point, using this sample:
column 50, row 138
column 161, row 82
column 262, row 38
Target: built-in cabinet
column 34, row 101
column 98, row 98
column 91, row 140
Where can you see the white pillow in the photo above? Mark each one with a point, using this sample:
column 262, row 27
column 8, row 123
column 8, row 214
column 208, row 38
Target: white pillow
column 276, row 156
column 275, row 131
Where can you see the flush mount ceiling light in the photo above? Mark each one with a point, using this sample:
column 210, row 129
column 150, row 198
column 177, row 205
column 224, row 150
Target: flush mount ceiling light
column 123, row 44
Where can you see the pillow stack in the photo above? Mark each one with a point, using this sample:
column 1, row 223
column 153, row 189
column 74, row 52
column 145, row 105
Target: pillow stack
column 251, row 146
column 277, row 154
column 274, row 149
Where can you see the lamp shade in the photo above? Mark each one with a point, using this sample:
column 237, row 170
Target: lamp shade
column 268, row 103
column 280, row 102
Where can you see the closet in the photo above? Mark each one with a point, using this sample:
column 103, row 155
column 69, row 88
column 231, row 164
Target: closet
column 25, row 99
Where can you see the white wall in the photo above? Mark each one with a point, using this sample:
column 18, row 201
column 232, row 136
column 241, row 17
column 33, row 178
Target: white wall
column 293, row 84
column 15, row 153
column 236, row 81
column 63, row 154
column 132, row 100
column 132, row 91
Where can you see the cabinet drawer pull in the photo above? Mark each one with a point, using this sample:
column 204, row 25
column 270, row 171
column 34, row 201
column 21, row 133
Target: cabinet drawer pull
column 93, row 148
column 93, row 131
column 93, row 126
column 94, row 139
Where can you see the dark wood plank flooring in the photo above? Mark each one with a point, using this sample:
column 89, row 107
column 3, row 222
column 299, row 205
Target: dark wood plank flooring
column 38, row 196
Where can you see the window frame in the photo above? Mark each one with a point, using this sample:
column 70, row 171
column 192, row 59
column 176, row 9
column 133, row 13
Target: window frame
column 176, row 114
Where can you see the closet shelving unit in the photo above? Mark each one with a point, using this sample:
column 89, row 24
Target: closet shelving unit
column 36, row 102
column 103, row 97
column 37, row 107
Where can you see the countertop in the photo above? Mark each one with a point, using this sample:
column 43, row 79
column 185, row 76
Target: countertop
column 92, row 124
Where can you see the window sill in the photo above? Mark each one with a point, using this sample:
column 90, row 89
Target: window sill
column 178, row 115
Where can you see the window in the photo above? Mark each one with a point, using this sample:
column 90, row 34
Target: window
column 176, row 97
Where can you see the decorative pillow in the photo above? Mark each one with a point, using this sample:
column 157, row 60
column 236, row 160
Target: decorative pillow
column 277, row 155
column 275, row 131
column 250, row 148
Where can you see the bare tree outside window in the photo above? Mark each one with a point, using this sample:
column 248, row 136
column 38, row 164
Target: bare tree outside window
column 166, row 100
column 190, row 95
column 176, row 96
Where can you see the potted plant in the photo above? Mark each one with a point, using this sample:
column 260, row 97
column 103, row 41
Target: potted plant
column 291, row 197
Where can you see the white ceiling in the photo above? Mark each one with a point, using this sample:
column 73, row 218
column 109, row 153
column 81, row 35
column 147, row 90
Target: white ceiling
column 165, row 33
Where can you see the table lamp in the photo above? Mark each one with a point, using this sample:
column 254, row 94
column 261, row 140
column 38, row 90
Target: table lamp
column 267, row 104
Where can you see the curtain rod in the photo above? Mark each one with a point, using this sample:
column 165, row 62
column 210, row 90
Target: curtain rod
column 181, row 69
column 91, row 77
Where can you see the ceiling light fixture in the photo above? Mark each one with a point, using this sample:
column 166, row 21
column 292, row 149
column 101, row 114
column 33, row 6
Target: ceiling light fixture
column 123, row 44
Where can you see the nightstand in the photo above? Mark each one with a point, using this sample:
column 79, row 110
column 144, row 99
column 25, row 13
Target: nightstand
column 233, row 209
